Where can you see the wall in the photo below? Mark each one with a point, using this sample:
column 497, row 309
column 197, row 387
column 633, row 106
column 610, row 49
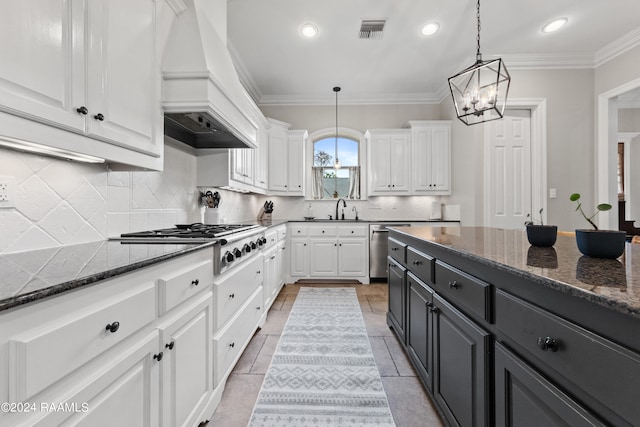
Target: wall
column 629, row 120
column 59, row 202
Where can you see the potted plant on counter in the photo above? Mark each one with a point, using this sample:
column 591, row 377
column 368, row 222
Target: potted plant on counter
column 598, row 243
column 540, row 234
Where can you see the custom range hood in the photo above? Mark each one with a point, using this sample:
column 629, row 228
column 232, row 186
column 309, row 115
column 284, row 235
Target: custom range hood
column 204, row 102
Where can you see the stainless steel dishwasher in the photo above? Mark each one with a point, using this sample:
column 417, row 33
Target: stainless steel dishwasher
column 378, row 237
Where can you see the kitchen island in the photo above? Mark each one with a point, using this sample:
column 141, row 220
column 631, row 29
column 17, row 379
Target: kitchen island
column 527, row 333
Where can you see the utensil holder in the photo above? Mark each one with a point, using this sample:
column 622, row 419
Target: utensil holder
column 212, row 216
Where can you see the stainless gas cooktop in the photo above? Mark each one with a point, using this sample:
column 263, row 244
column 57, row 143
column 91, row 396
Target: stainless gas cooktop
column 193, row 233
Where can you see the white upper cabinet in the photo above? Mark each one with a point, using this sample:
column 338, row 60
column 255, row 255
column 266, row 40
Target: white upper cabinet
column 86, row 66
column 123, row 74
column 431, row 147
column 389, row 154
column 286, row 159
column 261, row 160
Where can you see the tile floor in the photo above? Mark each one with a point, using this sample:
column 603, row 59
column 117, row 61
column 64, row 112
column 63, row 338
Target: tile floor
column 408, row 401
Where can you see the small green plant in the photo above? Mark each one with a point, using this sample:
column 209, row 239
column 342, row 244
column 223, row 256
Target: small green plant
column 575, row 197
column 532, row 221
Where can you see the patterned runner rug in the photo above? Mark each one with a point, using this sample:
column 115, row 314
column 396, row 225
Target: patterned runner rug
column 323, row 372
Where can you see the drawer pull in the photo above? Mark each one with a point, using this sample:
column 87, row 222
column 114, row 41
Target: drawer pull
column 82, row 110
column 232, row 345
column 454, row 285
column 113, row 327
column 394, row 248
column 548, row 343
column 258, row 308
column 170, row 345
column 99, row 117
column 232, row 296
column 429, row 304
column 195, row 282
column 417, row 262
column 434, row 310
column 158, row 356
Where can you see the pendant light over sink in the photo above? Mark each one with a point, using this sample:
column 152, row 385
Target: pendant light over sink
column 480, row 91
column 336, row 165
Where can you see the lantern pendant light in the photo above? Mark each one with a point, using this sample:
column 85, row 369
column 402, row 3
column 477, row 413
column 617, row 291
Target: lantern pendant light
column 480, row 91
column 336, row 165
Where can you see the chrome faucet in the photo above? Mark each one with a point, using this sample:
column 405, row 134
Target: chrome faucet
column 344, row 205
column 356, row 211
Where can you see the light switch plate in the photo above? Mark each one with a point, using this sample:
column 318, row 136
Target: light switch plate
column 7, row 192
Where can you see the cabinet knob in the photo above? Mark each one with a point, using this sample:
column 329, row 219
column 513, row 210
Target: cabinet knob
column 82, row 110
column 434, row 310
column 258, row 308
column 232, row 345
column 548, row 343
column 454, row 285
column 322, row 231
column 113, row 327
column 195, row 282
column 99, row 117
column 232, row 296
column 170, row 345
column 158, row 356
column 335, row 244
column 394, row 249
column 429, row 304
column 351, row 231
column 417, row 262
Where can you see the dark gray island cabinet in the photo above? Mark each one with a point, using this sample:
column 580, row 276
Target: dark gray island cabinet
column 500, row 338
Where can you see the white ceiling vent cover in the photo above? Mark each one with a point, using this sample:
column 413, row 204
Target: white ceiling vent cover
column 372, row 29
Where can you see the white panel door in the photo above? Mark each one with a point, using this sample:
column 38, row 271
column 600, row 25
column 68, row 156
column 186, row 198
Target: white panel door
column 42, row 68
column 123, row 73
column 323, row 257
column 509, row 165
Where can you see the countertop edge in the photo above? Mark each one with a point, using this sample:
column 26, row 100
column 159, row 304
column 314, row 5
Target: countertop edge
column 566, row 288
column 60, row 288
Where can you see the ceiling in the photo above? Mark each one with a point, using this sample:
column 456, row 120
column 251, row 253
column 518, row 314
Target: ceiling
column 278, row 66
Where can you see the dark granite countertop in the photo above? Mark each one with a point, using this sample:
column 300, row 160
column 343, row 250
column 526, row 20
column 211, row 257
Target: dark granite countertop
column 33, row 275
column 611, row 283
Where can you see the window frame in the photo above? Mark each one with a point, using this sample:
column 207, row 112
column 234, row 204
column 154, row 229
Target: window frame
column 343, row 132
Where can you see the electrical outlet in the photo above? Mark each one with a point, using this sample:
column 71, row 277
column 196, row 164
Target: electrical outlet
column 552, row 193
column 7, row 192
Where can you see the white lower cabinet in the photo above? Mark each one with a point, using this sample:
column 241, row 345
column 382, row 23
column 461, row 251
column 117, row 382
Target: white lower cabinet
column 114, row 353
column 187, row 379
column 329, row 251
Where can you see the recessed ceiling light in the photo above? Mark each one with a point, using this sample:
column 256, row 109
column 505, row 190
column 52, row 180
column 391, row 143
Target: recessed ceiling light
column 554, row 25
column 309, row 30
column 430, row 29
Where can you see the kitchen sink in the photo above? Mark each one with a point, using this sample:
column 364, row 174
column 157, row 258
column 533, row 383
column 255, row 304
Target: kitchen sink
column 332, row 220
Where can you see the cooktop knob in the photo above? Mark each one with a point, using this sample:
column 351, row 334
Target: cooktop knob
column 228, row 257
column 253, row 245
column 246, row 248
column 237, row 252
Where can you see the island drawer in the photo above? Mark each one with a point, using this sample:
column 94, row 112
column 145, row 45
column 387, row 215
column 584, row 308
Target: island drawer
column 420, row 264
column 463, row 290
column 397, row 250
column 607, row 372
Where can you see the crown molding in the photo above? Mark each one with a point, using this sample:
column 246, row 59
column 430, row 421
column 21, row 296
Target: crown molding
column 534, row 61
column 617, row 47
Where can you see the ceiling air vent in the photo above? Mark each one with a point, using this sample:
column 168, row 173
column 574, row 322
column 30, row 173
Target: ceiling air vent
column 372, row 29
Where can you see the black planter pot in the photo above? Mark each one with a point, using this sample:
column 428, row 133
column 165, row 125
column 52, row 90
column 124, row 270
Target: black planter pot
column 542, row 235
column 601, row 243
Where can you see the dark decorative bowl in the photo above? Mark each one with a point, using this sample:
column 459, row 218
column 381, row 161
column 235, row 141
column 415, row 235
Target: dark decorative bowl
column 542, row 235
column 601, row 243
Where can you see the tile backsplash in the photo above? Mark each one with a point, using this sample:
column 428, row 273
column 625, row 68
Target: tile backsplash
column 59, row 202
